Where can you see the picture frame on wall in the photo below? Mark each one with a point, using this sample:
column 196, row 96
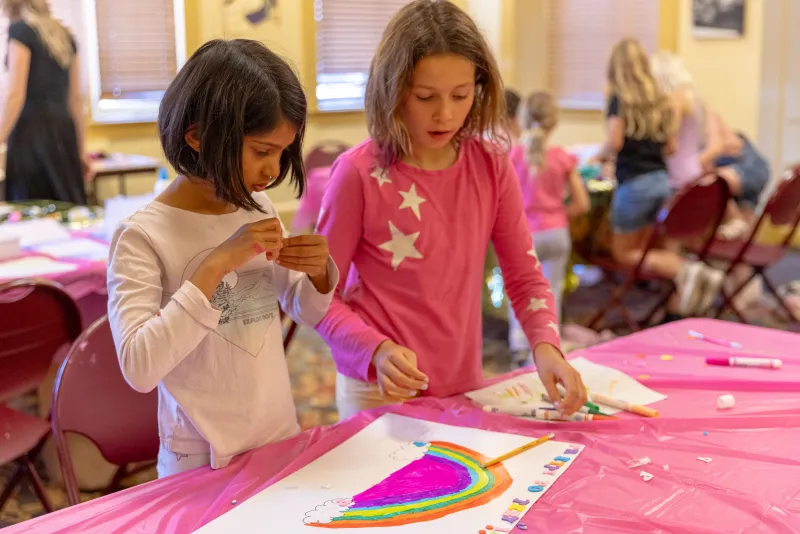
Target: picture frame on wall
column 718, row 19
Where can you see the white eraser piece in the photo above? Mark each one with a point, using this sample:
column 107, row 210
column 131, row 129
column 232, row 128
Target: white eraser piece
column 725, row 401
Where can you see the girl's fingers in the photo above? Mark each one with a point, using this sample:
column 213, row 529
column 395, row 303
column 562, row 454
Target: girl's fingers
column 403, row 380
column 300, row 267
column 311, row 251
column 390, row 389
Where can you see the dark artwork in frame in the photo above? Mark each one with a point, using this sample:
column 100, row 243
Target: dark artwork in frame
column 718, row 19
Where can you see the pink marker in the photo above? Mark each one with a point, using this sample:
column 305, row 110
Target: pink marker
column 771, row 363
column 715, row 340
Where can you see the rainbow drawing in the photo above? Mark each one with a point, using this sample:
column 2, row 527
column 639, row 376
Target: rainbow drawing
column 445, row 479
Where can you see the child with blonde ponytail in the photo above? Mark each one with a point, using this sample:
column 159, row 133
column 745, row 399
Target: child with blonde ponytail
column 546, row 172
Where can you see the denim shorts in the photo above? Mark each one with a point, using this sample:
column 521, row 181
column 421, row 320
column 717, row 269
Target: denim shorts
column 638, row 200
column 753, row 170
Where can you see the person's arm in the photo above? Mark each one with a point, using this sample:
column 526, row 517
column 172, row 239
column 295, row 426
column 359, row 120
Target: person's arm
column 579, row 203
column 341, row 221
column 76, row 104
column 152, row 340
column 19, row 64
column 527, row 288
column 615, row 132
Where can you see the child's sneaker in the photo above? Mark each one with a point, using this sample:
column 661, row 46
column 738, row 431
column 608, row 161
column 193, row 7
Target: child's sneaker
column 688, row 290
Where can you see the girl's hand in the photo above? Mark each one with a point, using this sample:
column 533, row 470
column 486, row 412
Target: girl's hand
column 398, row 376
column 307, row 254
column 553, row 369
column 265, row 236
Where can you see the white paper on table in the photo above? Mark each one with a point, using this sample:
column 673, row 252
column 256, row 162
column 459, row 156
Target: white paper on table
column 34, row 232
column 30, row 266
column 527, row 388
column 76, row 248
column 330, row 487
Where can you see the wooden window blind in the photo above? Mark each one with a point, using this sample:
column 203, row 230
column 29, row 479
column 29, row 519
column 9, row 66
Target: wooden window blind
column 69, row 12
column 136, row 48
column 348, row 32
column 581, row 35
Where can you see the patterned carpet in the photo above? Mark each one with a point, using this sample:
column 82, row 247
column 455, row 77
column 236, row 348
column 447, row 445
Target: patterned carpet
column 313, row 378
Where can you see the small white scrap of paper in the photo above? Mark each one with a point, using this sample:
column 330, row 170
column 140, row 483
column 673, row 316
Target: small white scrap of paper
column 645, row 475
column 704, row 459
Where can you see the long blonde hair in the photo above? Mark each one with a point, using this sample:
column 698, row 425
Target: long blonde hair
column 36, row 14
column 644, row 107
column 423, row 28
column 538, row 120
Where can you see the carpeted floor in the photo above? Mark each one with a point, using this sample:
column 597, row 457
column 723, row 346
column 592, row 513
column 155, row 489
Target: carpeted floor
column 314, row 377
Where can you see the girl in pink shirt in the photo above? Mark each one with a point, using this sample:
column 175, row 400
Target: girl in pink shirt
column 409, row 215
column 543, row 173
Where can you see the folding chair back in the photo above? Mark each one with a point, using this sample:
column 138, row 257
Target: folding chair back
column 324, row 154
column 695, row 210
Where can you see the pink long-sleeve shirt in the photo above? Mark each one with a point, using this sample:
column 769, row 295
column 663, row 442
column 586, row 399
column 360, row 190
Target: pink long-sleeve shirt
column 411, row 247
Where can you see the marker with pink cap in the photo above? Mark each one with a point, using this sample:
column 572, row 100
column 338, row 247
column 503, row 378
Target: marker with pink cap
column 736, row 361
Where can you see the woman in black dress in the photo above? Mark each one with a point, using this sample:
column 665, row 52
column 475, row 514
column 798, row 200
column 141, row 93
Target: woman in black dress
column 42, row 117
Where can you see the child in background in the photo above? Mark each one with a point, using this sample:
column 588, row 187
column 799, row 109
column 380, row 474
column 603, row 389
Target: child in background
column 700, row 141
column 410, row 213
column 195, row 277
column 512, row 114
column 544, row 171
column 642, row 123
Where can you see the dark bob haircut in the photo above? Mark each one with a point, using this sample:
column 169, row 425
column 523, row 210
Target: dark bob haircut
column 227, row 90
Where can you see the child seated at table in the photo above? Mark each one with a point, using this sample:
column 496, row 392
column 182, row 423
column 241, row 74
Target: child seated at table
column 642, row 123
column 545, row 171
column 196, row 277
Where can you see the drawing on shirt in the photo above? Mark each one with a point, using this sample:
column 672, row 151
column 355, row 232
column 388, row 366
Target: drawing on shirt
column 247, row 302
column 443, row 479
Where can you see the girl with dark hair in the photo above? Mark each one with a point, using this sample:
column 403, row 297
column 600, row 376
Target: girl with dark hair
column 196, row 277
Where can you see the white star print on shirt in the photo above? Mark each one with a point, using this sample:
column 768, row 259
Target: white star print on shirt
column 412, row 200
column 537, row 304
column 554, row 326
column 381, row 175
column 401, row 246
column 532, row 253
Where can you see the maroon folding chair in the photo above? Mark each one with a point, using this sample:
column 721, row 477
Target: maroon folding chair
column 782, row 209
column 694, row 213
column 37, row 318
column 324, row 154
column 91, row 398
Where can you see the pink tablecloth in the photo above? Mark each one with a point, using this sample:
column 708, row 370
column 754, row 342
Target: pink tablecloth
column 752, row 484
column 86, row 284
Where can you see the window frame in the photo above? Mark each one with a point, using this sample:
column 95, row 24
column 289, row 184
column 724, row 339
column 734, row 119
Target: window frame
column 133, row 111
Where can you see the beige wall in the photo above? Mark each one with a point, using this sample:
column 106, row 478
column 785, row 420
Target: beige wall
column 727, row 71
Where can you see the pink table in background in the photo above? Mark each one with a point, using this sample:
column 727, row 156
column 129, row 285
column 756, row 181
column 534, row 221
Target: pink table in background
column 86, row 284
column 752, row 484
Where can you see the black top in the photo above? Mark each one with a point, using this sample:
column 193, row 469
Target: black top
column 48, row 82
column 638, row 156
column 43, row 160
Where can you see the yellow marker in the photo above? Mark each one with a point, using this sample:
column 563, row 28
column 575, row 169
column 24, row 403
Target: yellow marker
column 644, row 377
column 519, row 450
column 666, row 357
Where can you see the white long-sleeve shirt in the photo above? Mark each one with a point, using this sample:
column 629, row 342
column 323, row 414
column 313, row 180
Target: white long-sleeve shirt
column 219, row 366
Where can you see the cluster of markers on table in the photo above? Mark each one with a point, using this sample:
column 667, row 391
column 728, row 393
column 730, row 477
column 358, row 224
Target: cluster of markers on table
column 511, row 516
